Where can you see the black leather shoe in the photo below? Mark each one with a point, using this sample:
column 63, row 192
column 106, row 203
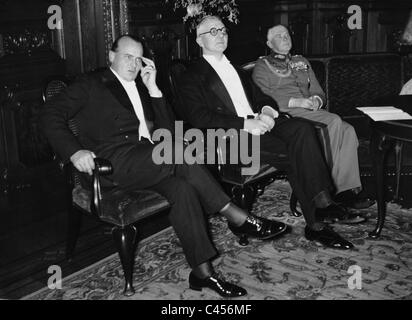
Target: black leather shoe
column 259, row 228
column 225, row 289
column 328, row 238
column 359, row 203
column 350, row 199
column 338, row 214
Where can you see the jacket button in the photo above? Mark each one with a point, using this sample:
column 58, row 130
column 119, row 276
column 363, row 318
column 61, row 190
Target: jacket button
column 127, row 137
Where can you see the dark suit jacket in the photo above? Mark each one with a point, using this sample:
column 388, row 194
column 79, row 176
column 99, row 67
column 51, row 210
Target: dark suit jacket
column 205, row 102
column 105, row 117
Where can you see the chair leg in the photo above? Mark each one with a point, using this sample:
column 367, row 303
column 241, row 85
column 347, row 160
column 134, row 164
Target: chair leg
column 125, row 239
column 74, row 222
column 398, row 158
column 244, row 196
column 292, row 204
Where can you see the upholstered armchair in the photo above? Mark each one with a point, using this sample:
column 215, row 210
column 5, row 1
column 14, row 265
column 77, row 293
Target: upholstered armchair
column 120, row 208
column 244, row 189
column 359, row 80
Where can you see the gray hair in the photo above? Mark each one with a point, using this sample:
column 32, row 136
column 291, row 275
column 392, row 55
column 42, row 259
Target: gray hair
column 204, row 20
column 274, row 30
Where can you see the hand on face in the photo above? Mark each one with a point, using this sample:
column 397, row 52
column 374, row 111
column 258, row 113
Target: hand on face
column 148, row 72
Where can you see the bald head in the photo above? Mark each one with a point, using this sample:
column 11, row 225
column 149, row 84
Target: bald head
column 124, row 39
column 278, row 39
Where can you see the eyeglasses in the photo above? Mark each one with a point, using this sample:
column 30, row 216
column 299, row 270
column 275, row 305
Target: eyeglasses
column 215, row 31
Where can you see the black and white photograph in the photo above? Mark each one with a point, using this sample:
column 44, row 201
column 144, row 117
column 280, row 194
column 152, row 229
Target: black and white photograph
column 206, row 157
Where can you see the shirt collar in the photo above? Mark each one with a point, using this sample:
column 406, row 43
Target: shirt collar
column 125, row 83
column 213, row 61
column 279, row 56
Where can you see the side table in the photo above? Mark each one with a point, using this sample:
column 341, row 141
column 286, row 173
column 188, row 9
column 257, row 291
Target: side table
column 385, row 135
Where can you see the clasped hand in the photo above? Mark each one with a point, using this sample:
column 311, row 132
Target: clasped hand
column 260, row 125
column 308, row 103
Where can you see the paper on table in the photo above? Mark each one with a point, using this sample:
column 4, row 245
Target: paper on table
column 385, row 113
column 380, row 109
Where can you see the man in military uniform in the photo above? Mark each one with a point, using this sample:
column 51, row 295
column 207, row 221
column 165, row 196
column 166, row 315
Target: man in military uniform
column 291, row 81
column 216, row 94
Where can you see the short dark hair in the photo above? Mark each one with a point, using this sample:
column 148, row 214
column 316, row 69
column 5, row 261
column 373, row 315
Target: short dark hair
column 115, row 44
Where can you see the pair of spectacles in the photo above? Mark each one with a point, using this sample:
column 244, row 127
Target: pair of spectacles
column 131, row 58
column 282, row 36
column 215, row 31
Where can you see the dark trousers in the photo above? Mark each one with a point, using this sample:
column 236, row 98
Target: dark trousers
column 191, row 190
column 308, row 173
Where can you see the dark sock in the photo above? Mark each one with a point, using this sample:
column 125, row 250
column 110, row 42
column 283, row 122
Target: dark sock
column 317, row 226
column 203, row 270
column 322, row 199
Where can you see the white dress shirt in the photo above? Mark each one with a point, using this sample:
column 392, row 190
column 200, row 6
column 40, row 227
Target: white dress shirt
column 133, row 94
column 231, row 80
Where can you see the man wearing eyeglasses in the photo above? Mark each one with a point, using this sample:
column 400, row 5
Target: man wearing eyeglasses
column 115, row 111
column 215, row 94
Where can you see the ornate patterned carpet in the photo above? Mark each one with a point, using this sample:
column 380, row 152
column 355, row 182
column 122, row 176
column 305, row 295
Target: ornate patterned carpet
column 287, row 268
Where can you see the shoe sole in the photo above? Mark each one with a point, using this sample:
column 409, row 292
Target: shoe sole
column 280, row 232
column 195, row 288
column 243, row 235
column 325, row 246
column 359, row 207
column 353, row 221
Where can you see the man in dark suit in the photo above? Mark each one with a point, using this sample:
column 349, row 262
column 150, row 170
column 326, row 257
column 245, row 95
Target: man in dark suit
column 115, row 112
column 214, row 94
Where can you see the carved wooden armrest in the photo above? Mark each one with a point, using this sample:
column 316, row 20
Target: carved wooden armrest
column 103, row 167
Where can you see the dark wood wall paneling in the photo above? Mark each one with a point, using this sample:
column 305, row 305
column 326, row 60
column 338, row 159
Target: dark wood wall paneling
column 160, row 27
column 84, row 35
column 72, row 37
column 89, row 33
column 318, row 27
column 164, row 34
column 28, row 58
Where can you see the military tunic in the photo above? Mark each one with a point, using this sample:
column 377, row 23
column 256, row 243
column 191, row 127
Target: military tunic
column 283, row 77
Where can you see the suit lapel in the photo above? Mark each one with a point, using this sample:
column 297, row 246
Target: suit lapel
column 145, row 99
column 245, row 84
column 117, row 90
column 216, row 85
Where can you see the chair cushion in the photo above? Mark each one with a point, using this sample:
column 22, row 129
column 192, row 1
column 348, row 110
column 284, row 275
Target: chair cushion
column 122, row 207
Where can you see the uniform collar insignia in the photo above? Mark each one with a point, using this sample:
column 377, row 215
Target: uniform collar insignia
column 279, row 56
